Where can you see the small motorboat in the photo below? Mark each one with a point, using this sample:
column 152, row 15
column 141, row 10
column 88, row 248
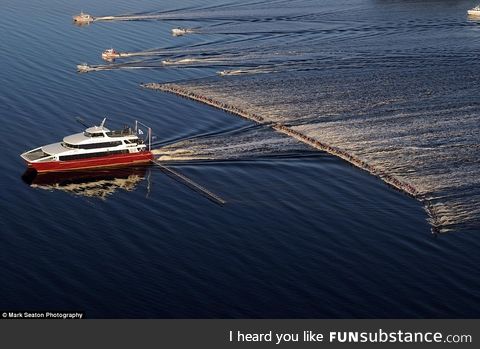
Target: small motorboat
column 181, row 31
column 110, row 55
column 83, row 18
column 83, row 68
column 474, row 11
column 96, row 147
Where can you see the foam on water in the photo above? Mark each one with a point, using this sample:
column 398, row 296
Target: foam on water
column 405, row 107
column 253, row 11
column 251, row 143
column 392, row 129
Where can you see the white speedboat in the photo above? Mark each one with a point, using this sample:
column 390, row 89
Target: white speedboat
column 96, row 147
column 474, row 11
column 181, row 31
column 83, row 68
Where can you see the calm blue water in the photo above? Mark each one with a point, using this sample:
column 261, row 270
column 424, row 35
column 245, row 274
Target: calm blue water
column 303, row 234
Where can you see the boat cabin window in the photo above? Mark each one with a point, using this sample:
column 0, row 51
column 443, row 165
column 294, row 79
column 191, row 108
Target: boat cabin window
column 96, row 134
column 91, row 155
column 92, row 145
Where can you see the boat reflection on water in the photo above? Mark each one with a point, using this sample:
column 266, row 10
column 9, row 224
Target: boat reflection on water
column 94, row 183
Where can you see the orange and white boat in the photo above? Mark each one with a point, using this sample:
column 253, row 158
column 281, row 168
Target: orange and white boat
column 83, row 18
column 96, row 147
column 110, row 54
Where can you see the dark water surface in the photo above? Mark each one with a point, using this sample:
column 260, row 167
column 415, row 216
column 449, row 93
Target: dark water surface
column 303, row 234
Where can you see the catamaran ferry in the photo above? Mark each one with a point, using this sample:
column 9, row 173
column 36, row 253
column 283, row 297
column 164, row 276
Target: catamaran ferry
column 96, row 147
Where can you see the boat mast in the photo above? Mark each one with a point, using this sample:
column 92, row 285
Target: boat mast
column 149, row 134
column 149, row 139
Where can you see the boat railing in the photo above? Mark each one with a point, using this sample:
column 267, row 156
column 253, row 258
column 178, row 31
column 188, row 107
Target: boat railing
column 121, row 133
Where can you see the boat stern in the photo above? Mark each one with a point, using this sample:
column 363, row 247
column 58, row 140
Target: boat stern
column 110, row 55
column 83, row 18
column 83, row 68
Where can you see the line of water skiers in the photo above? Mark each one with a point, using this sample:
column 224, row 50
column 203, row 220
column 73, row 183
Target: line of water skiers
column 207, row 100
column 406, row 187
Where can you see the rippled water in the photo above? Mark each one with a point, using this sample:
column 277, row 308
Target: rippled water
column 397, row 91
column 303, row 234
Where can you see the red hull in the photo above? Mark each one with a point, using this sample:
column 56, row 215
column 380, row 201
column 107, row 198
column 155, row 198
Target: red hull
column 98, row 162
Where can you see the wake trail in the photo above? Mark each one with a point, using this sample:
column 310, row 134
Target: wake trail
column 241, row 144
column 187, row 153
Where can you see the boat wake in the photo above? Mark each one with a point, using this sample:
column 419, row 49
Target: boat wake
column 130, row 18
column 88, row 68
column 258, row 70
column 235, row 63
column 187, row 61
column 446, row 211
column 250, row 12
column 400, row 109
column 250, row 143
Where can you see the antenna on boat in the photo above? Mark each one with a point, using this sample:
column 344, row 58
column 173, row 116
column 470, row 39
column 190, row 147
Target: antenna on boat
column 103, row 121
